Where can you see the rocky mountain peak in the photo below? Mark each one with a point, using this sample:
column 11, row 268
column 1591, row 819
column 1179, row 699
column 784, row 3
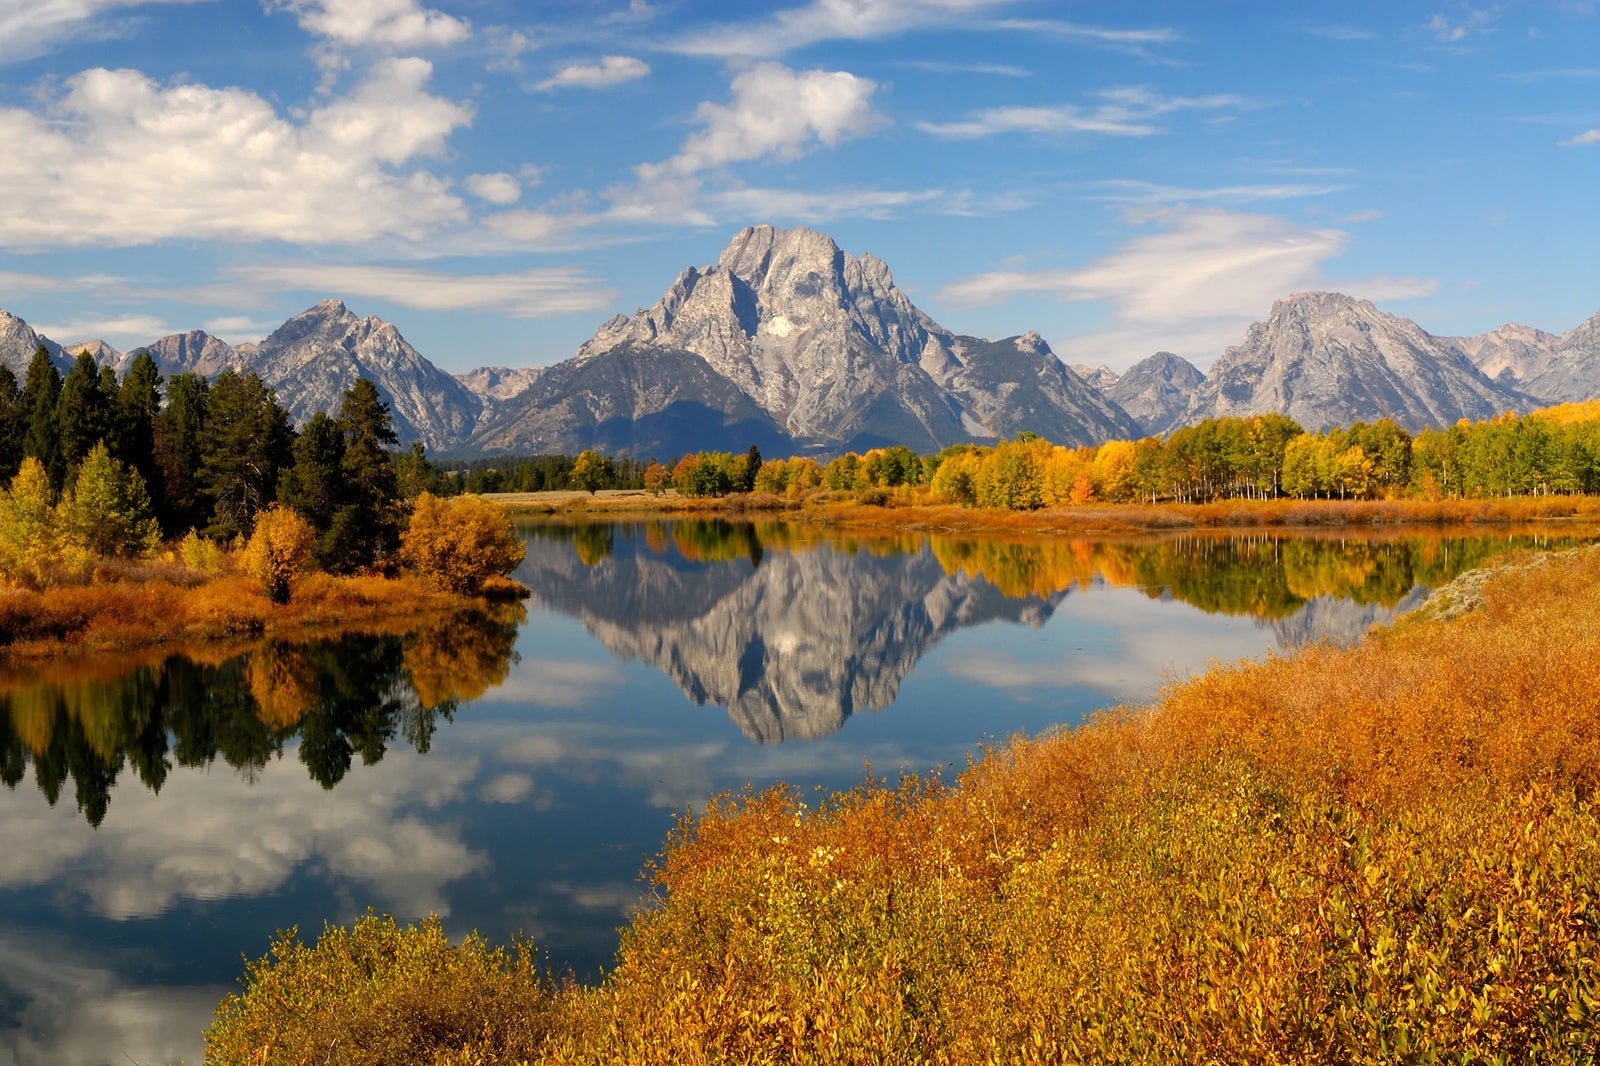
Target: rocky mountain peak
column 18, row 342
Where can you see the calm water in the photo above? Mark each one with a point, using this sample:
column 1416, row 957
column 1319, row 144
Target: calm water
column 513, row 772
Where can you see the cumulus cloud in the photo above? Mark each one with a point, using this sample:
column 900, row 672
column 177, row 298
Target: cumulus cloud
column 1589, row 137
column 535, row 293
column 193, row 162
column 31, row 27
column 498, row 188
column 775, row 112
column 395, row 25
column 1191, row 286
column 611, row 70
column 1129, row 112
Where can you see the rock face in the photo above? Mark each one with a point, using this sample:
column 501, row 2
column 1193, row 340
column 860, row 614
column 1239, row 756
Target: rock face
column 832, row 352
column 792, row 644
column 318, row 354
column 1325, row 359
column 1157, row 391
column 1550, row 368
column 18, row 342
column 102, row 352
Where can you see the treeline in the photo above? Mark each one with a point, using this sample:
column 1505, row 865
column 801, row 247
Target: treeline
column 544, row 473
column 98, row 466
column 1553, row 451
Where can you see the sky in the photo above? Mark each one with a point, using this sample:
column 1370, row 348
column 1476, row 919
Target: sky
column 496, row 178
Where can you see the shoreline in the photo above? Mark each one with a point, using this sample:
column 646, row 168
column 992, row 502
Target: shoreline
column 907, row 513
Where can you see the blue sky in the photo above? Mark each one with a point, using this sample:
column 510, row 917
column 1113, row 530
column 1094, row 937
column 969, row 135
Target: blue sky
column 497, row 178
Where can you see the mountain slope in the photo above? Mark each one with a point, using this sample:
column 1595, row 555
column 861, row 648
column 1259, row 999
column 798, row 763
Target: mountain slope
column 1156, row 391
column 1325, row 359
column 18, row 342
column 835, row 355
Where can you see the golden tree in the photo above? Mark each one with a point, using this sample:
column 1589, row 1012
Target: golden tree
column 279, row 551
column 459, row 543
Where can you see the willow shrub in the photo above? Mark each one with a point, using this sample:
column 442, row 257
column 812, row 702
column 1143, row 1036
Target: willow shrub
column 279, row 551
column 1389, row 853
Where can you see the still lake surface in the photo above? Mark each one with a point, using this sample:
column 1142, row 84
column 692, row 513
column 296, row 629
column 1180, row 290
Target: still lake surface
column 513, row 772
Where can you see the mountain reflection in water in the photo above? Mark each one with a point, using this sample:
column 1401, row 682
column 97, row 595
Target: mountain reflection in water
column 794, row 631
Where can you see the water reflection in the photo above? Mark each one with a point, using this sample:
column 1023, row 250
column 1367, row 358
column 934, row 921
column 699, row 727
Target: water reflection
column 793, row 631
column 330, row 700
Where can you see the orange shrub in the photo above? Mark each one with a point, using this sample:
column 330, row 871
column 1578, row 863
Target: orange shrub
column 279, row 551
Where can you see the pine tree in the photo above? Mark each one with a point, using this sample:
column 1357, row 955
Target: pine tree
column 138, row 406
column 84, row 413
column 316, row 489
column 245, row 442
column 41, row 437
column 178, row 432
column 371, row 524
column 13, row 425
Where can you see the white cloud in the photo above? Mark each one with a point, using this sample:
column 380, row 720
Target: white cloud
column 1189, row 287
column 395, row 25
column 536, row 293
column 822, row 20
column 611, row 70
column 31, row 27
column 238, row 327
column 821, row 206
column 1145, row 192
column 506, row 46
column 775, row 112
column 1129, row 112
column 1131, row 40
column 206, row 838
column 1589, row 137
column 188, row 161
column 1340, row 32
column 498, row 188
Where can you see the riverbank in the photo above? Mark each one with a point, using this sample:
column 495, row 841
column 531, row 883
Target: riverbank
column 172, row 608
column 1371, row 854
column 914, row 511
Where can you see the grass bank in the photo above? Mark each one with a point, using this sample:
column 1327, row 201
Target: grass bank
column 915, row 510
column 166, row 606
column 1386, row 853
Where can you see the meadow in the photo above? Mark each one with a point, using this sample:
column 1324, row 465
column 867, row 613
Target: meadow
column 1383, row 853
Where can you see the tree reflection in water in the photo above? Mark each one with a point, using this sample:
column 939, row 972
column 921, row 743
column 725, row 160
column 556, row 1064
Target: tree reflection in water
column 340, row 698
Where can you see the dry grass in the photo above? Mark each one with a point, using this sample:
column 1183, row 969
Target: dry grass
column 1371, row 855
column 189, row 611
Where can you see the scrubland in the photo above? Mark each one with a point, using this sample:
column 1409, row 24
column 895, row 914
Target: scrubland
column 1386, row 853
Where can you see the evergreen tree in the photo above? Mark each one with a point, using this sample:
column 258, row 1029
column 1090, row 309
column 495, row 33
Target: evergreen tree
column 13, row 425
column 315, row 488
column 177, row 449
column 415, row 474
column 244, row 444
column 138, row 406
column 40, row 396
column 85, row 415
column 370, row 525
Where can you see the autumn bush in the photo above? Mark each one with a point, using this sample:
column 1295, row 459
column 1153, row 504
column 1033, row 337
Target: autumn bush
column 460, row 542
column 1372, row 855
column 279, row 551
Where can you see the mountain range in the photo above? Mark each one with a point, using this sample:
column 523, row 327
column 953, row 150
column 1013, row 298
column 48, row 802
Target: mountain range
column 795, row 345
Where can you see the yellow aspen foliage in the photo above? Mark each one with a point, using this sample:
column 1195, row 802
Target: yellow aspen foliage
column 279, row 551
column 107, row 512
column 29, row 541
column 459, row 543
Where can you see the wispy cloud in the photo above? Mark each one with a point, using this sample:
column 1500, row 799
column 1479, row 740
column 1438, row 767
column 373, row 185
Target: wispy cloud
column 1339, row 32
column 122, row 333
column 997, row 69
column 611, row 70
column 1369, row 215
column 1455, row 26
column 1587, row 137
column 538, row 293
column 823, row 20
column 1145, row 192
column 1127, row 112
column 1197, row 280
column 32, row 27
